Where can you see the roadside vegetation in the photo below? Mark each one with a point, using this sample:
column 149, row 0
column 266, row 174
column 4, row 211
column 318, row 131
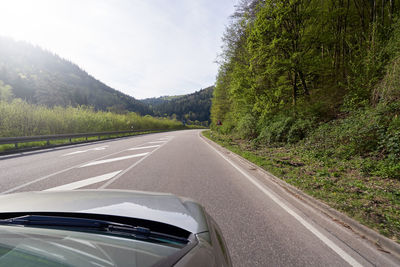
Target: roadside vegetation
column 310, row 91
column 343, row 184
column 19, row 118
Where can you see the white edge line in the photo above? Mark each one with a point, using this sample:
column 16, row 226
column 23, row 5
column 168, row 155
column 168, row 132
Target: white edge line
column 85, row 182
column 129, row 168
column 344, row 255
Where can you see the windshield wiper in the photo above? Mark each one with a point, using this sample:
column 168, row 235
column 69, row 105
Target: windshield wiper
column 137, row 232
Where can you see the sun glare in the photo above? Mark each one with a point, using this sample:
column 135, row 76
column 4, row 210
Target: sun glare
column 35, row 21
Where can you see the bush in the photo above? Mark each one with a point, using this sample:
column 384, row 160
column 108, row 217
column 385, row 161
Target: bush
column 227, row 126
column 247, row 127
column 18, row 118
column 388, row 90
column 371, row 134
column 299, row 130
column 275, row 129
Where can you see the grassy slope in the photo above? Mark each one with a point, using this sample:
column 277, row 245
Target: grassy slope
column 373, row 201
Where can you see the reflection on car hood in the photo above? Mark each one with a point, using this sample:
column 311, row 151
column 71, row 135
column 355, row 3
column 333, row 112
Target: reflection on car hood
column 25, row 246
column 165, row 208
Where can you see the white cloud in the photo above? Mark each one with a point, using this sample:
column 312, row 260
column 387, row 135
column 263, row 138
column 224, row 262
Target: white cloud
column 144, row 48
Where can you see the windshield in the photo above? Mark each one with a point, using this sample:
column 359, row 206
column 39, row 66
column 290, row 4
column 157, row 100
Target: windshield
column 26, row 246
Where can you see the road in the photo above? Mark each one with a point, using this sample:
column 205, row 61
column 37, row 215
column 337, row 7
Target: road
column 263, row 225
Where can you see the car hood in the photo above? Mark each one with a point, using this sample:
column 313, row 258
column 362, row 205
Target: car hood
column 166, row 208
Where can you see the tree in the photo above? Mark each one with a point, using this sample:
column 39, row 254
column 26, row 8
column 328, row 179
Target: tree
column 282, row 47
column 6, row 93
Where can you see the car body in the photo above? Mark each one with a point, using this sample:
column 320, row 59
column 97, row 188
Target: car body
column 107, row 228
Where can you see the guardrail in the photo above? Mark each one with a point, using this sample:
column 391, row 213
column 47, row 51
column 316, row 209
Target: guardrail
column 48, row 138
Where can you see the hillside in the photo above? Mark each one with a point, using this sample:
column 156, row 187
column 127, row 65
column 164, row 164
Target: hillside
column 41, row 77
column 154, row 101
column 192, row 107
column 310, row 91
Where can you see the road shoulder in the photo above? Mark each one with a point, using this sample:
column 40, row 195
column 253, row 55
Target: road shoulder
column 374, row 240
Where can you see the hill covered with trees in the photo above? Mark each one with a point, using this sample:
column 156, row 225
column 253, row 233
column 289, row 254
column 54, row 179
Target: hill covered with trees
column 41, row 77
column 291, row 66
column 310, row 90
column 189, row 108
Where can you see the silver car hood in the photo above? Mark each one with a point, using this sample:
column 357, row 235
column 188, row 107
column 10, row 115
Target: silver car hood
column 166, row 208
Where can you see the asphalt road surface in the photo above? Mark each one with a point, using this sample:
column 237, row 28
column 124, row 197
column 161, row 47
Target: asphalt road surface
column 262, row 224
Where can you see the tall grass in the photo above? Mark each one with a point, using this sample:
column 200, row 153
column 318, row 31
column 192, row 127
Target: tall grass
column 19, row 118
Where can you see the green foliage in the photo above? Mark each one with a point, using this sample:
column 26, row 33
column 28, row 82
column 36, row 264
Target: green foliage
column 220, row 104
column 299, row 130
column 374, row 201
column 341, row 138
column 189, row 108
column 320, row 81
column 5, row 92
column 19, row 118
column 276, row 129
column 366, row 70
column 369, row 133
column 322, row 73
column 284, row 53
column 388, row 90
column 246, row 127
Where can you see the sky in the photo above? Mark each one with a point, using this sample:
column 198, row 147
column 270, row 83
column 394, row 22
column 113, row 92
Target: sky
column 144, row 48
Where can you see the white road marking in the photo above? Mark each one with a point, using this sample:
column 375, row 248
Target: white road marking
column 143, row 147
column 83, row 151
column 344, row 255
column 129, row 168
column 157, row 142
column 113, row 159
column 55, row 173
column 85, row 182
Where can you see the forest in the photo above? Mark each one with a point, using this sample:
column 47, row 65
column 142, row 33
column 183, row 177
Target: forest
column 41, row 77
column 293, row 69
column 191, row 108
column 310, row 91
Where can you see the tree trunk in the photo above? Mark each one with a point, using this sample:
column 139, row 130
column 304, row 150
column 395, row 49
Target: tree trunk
column 295, row 89
column 304, row 84
column 391, row 10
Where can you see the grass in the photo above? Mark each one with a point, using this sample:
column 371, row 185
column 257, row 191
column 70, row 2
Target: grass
column 372, row 200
